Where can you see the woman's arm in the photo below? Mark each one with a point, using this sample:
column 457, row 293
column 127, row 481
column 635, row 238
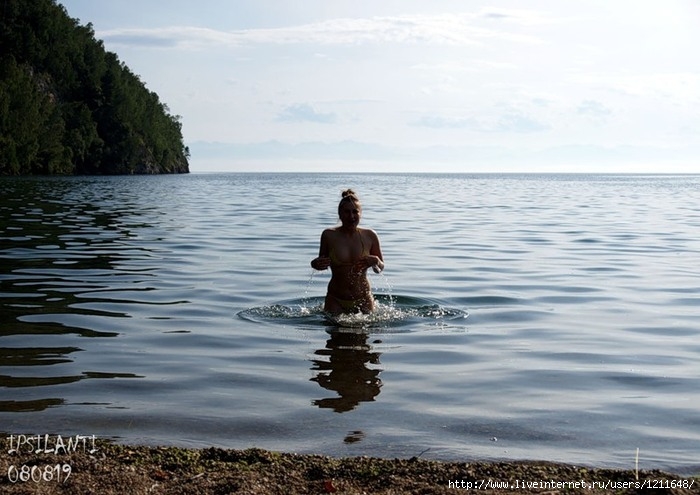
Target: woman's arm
column 376, row 250
column 323, row 260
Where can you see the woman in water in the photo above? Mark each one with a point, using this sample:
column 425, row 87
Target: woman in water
column 349, row 251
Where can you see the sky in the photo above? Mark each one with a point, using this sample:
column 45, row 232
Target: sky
column 465, row 86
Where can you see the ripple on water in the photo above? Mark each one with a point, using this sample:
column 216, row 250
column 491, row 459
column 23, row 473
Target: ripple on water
column 390, row 312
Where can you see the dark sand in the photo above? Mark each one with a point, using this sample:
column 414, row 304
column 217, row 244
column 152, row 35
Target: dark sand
column 118, row 469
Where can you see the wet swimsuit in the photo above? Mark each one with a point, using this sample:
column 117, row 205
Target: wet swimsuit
column 336, row 262
column 348, row 305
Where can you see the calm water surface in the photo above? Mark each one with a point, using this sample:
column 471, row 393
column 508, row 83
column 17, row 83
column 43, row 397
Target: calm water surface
column 521, row 317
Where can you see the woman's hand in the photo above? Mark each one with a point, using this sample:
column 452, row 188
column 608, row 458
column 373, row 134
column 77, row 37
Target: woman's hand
column 370, row 261
column 378, row 266
column 320, row 263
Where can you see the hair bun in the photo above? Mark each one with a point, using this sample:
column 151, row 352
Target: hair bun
column 349, row 193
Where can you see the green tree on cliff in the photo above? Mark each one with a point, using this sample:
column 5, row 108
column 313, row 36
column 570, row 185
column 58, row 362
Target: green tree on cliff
column 67, row 106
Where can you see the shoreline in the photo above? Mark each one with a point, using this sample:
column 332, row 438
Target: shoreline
column 107, row 468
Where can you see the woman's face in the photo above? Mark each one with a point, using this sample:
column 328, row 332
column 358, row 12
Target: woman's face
column 350, row 213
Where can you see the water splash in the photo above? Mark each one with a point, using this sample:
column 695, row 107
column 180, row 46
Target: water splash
column 390, row 312
column 309, row 284
column 387, row 288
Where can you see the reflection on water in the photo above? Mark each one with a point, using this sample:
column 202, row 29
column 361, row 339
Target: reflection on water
column 66, row 253
column 23, row 406
column 179, row 310
column 349, row 367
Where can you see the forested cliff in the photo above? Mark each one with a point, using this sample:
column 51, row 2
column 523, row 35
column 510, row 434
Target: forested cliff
column 68, row 106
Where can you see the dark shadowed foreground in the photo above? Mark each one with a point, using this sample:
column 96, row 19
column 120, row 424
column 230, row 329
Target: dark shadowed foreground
column 115, row 469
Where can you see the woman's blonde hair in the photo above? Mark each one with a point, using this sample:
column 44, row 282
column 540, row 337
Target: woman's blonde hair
column 348, row 195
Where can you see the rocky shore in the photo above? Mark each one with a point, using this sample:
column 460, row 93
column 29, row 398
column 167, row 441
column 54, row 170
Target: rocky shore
column 118, row 469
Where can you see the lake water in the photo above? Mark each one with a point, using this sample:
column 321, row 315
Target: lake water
column 547, row 317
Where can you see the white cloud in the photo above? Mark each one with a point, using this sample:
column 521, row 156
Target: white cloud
column 441, row 122
column 443, row 29
column 510, row 122
column 304, row 112
column 675, row 86
column 520, row 123
column 593, row 108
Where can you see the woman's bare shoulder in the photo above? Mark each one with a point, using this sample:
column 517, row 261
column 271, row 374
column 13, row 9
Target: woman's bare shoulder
column 329, row 233
column 369, row 233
